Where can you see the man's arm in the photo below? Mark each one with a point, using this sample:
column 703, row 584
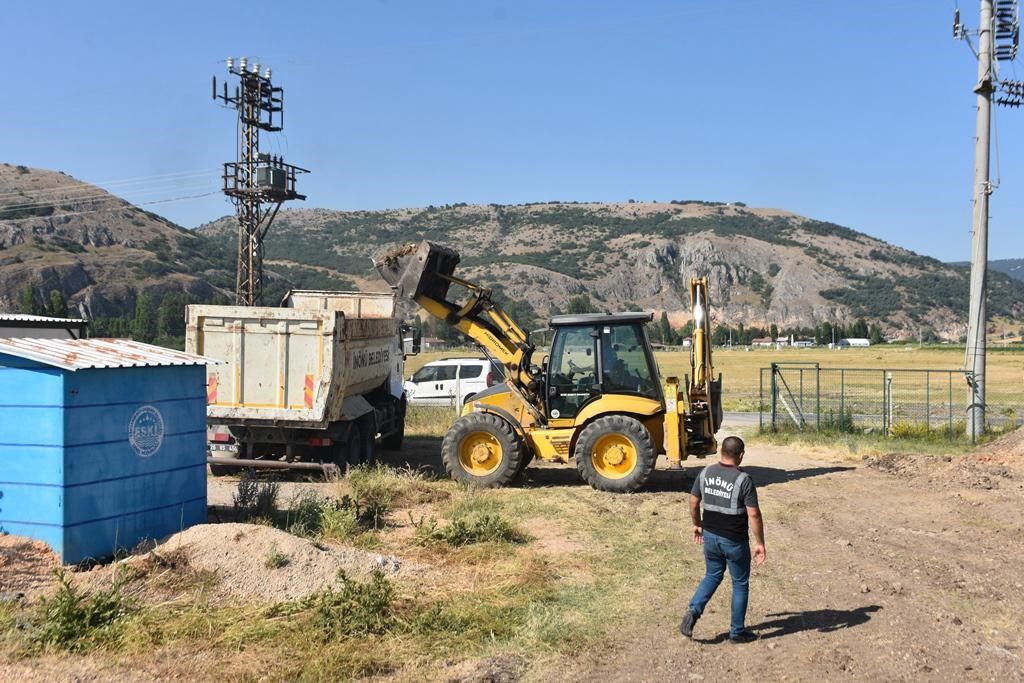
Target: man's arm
column 698, row 529
column 757, row 527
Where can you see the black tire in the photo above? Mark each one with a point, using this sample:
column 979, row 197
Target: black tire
column 219, row 470
column 467, row 398
column 493, row 434
column 527, row 459
column 368, row 432
column 349, row 451
column 223, row 470
column 393, row 441
column 603, row 433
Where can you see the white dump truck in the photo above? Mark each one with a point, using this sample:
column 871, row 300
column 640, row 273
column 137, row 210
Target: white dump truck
column 311, row 384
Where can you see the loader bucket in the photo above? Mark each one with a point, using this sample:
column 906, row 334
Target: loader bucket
column 418, row 270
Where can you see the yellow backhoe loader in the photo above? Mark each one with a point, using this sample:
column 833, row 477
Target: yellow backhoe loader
column 596, row 398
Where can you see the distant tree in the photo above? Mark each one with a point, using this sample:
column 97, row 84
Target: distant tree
column 774, row 331
column 58, row 307
column 170, row 315
column 860, row 329
column 29, row 304
column 665, row 328
column 144, row 324
column 581, row 304
column 876, row 334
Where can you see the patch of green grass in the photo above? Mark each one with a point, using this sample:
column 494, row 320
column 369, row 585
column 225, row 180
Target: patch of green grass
column 466, row 530
column 275, row 559
column 71, row 620
column 429, row 420
column 858, row 444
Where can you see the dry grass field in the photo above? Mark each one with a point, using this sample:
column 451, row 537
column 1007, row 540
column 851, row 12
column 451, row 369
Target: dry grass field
column 741, row 367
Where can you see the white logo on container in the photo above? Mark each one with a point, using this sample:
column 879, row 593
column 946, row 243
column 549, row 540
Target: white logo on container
column 146, row 431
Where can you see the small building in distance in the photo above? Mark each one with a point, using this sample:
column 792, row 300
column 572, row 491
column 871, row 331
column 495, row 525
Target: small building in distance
column 763, row 342
column 20, row 325
column 853, row 342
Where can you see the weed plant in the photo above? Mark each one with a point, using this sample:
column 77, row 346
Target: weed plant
column 255, row 499
column 71, row 620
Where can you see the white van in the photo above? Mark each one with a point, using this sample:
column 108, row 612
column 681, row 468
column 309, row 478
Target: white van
column 442, row 382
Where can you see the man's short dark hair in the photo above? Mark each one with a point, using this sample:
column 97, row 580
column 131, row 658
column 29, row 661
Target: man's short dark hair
column 732, row 446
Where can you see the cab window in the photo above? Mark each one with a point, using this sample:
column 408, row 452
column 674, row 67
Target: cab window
column 571, row 371
column 625, row 367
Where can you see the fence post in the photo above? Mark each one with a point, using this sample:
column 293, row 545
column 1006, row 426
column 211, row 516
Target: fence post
column 949, row 425
column 888, row 399
column 802, row 411
column 774, row 395
column 842, row 401
column 760, row 401
column 885, row 405
column 817, row 396
column 928, row 400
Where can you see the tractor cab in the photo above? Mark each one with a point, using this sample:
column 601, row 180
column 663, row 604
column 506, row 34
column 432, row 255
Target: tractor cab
column 593, row 355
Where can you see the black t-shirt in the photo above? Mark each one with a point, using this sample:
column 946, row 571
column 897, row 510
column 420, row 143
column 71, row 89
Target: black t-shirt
column 726, row 492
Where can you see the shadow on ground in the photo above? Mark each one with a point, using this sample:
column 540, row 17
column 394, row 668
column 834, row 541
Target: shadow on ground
column 788, row 623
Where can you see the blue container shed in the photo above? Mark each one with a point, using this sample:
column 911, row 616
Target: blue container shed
column 102, row 443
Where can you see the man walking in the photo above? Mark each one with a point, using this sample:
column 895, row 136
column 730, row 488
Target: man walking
column 730, row 500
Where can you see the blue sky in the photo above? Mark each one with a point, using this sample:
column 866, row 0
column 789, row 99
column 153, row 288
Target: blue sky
column 859, row 113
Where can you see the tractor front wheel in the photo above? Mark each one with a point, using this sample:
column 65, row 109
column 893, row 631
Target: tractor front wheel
column 615, row 453
column 482, row 450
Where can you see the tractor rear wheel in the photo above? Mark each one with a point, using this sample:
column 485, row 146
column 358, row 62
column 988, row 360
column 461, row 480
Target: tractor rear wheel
column 482, row 450
column 615, row 453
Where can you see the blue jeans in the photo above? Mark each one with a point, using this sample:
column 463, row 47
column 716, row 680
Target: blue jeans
column 720, row 552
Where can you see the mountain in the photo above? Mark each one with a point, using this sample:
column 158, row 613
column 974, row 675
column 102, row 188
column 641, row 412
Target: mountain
column 1014, row 267
column 765, row 265
column 57, row 233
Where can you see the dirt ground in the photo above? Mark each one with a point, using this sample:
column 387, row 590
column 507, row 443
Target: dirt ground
column 875, row 571
column 903, row 567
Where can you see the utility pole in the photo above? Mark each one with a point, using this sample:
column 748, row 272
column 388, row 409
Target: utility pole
column 1004, row 23
column 256, row 183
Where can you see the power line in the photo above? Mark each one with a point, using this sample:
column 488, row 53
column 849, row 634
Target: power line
column 125, row 206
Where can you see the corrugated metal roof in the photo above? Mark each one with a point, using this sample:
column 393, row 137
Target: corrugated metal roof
column 81, row 354
column 25, row 318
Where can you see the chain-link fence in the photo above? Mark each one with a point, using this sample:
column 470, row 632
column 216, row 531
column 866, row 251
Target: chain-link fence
column 894, row 402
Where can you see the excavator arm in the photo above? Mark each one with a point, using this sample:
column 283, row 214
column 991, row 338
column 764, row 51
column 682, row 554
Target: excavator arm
column 704, row 394
column 423, row 273
column 693, row 412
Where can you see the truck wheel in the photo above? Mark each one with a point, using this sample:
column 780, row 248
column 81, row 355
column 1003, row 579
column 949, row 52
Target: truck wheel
column 615, row 453
column 349, row 452
column 482, row 450
column 368, row 430
column 393, row 441
column 222, row 470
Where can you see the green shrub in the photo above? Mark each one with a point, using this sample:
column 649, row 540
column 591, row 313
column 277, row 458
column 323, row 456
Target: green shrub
column 275, row 559
column 255, row 499
column 73, row 621
column 467, row 530
column 352, row 609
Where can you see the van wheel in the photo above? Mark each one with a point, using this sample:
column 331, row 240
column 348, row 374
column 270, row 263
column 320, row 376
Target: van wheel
column 467, row 398
column 482, row 450
column 615, row 453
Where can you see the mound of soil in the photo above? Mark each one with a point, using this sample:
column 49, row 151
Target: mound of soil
column 238, row 554
column 25, row 567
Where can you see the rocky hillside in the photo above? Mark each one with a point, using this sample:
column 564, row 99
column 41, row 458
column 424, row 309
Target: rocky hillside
column 101, row 253
column 765, row 265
